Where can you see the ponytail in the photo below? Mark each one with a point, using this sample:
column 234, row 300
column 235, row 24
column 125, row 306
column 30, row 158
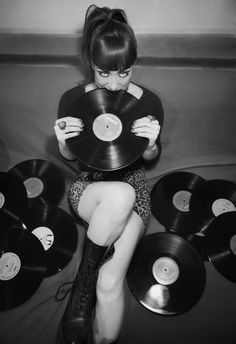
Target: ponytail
column 108, row 40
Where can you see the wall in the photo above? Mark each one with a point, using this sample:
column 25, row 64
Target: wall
column 150, row 16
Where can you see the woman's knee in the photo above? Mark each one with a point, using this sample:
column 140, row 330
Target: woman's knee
column 107, row 284
column 121, row 195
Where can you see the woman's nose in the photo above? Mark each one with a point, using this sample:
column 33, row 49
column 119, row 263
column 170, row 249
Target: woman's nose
column 113, row 84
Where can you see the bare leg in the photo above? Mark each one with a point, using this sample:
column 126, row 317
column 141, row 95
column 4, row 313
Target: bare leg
column 110, row 285
column 106, row 206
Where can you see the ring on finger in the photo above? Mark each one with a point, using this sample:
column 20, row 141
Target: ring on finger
column 151, row 119
column 62, row 125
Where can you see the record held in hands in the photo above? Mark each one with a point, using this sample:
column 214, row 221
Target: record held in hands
column 56, row 231
column 107, row 143
column 42, row 179
column 221, row 244
column 13, row 196
column 170, row 198
column 22, row 263
column 213, row 198
column 166, row 274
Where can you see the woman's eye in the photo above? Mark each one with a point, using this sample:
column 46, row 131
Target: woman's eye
column 103, row 74
column 124, row 74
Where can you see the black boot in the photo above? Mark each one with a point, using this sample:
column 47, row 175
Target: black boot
column 76, row 323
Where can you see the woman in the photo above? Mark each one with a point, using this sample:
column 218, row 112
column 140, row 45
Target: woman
column 115, row 205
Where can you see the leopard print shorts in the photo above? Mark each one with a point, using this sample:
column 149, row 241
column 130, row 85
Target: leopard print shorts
column 136, row 178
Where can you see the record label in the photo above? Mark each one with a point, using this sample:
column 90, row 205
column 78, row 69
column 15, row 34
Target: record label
column 2, row 200
column 45, row 235
column 34, row 187
column 221, row 206
column 10, row 265
column 232, row 244
column 165, row 270
column 107, row 127
column 181, row 200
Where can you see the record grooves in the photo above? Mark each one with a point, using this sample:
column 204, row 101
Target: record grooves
column 22, row 264
column 221, row 244
column 170, row 201
column 213, row 198
column 13, row 196
column 42, row 180
column 57, row 233
column 166, row 275
column 107, row 143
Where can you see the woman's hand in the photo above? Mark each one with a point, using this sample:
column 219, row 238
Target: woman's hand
column 147, row 127
column 67, row 127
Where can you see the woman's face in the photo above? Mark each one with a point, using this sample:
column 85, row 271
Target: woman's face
column 112, row 80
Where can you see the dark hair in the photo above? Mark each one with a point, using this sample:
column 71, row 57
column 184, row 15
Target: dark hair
column 108, row 40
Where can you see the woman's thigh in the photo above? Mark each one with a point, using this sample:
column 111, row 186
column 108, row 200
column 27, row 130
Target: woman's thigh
column 115, row 195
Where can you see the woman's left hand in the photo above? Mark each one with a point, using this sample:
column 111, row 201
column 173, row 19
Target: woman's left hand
column 148, row 127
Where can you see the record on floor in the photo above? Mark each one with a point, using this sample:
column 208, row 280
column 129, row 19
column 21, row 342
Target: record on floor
column 213, row 198
column 22, row 264
column 56, row 231
column 170, row 198
column 166, row 275
column 42, row 179
column 107, row 143
column 198, row 242
column 13, row 196
column 221, row 244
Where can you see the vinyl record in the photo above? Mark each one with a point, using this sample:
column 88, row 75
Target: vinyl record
column 107, row 143
column 166, row 275
column 197, row 240
column 212, row 199
column 42, row 179
column 170, row 198
column 22, row 263
column 57, row 233
column 13, row 196
column 221, row 244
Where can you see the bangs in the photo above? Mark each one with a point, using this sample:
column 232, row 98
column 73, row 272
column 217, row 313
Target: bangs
column 114, row 54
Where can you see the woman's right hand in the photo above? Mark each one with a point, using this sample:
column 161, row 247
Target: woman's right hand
column 67, row 127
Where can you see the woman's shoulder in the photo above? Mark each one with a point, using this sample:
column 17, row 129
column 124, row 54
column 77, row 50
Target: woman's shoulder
column 74, row 92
